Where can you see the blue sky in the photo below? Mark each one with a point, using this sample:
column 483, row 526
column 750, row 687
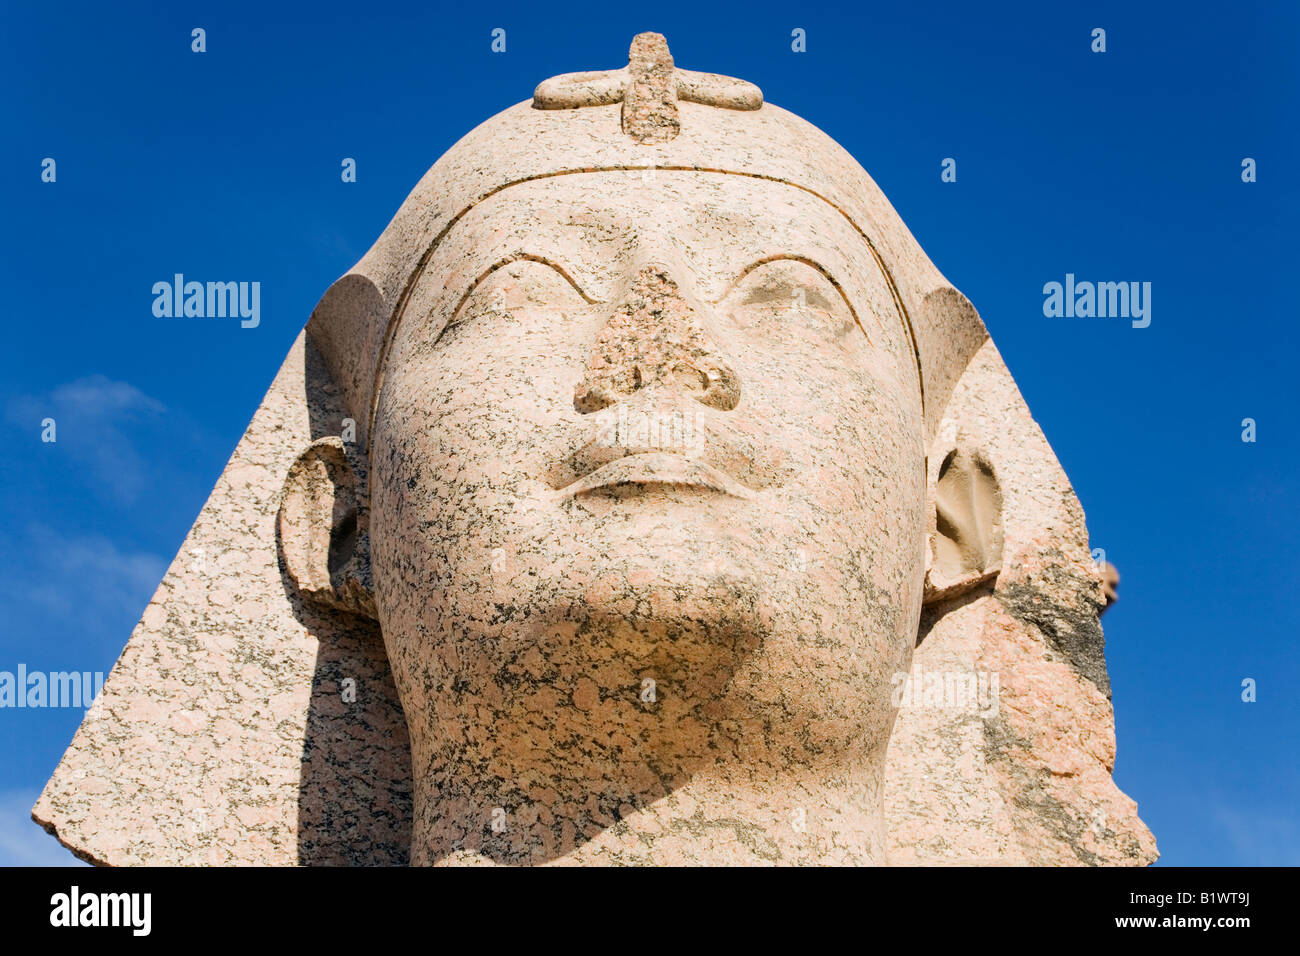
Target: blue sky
column 1117, row 166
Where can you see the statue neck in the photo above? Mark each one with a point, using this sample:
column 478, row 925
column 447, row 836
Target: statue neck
column 726, row 815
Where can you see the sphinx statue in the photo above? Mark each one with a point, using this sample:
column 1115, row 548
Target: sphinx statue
column 644, row 495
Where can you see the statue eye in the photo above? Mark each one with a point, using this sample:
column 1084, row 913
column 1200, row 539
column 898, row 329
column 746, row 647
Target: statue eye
column 514, row 288
column 791, row 292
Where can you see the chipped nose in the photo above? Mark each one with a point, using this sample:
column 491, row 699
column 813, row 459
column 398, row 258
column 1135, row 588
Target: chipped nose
column 654, row 340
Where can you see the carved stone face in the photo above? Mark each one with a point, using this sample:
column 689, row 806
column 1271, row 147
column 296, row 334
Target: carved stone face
column 649, row 506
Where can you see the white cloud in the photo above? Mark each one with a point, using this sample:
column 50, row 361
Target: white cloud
column 93, row 417
column 22, row 841
column 98, row 395
column 84, row 578
column 1261, row 839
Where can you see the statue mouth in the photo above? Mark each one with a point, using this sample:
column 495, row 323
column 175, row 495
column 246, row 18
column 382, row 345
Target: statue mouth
column 638, row 445
column 638, row 472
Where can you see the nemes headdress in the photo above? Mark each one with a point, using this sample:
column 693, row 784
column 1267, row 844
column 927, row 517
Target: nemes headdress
column 647, row 116
column 246, row 723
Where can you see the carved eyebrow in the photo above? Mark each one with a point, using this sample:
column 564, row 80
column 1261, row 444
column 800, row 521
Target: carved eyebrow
column 518, row 257
column 808, row 262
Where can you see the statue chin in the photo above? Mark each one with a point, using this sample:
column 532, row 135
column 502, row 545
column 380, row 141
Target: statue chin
column 609, row 686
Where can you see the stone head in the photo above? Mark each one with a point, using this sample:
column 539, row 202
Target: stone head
column 641, row 486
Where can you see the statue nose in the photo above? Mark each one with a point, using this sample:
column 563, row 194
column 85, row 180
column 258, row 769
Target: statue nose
column 655, row 340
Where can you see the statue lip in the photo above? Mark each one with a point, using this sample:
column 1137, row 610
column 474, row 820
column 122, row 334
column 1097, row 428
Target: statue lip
column 656, row 468
column 663, row 440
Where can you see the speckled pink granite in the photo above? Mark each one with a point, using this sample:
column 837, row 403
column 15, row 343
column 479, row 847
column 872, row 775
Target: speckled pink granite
column 599, row 517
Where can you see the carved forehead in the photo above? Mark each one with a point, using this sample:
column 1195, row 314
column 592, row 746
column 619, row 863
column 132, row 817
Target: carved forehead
column 710, row 227
column 583, row 126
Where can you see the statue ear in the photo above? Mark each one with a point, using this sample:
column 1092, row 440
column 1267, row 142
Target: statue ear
column 324, row 527
column 965, row 526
